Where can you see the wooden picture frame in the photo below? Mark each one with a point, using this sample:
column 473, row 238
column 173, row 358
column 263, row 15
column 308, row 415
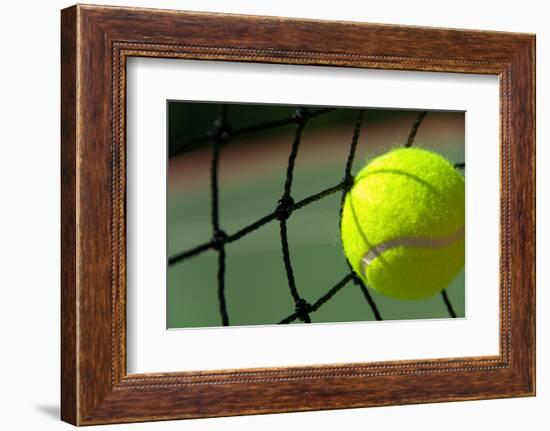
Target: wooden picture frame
column 95, row 43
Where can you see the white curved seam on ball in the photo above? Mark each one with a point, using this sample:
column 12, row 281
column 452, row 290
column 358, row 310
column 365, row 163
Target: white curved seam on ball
column 375, row 252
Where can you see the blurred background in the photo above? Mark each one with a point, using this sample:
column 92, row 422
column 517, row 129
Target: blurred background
column 252, row 170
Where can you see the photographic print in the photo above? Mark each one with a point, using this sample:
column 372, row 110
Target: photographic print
column 282, row 214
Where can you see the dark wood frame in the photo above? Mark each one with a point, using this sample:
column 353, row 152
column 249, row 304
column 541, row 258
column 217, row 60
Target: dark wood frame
column 95, row 43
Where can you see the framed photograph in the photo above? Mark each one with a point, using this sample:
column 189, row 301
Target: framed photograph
column 264, row 215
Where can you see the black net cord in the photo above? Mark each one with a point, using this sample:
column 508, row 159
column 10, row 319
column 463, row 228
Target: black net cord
column 414, row 129
column 335, row 289
column 300, row 304
column 219, row 236
column 368, row 297
column 284, row 210
column 448, row 304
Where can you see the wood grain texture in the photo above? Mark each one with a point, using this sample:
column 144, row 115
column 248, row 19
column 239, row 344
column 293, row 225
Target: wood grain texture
column 69, row 397
column 96, row 41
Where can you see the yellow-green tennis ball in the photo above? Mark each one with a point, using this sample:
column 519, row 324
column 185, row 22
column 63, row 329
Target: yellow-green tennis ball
column 403, row 223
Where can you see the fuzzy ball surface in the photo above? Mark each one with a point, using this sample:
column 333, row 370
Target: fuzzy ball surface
column 403, row 223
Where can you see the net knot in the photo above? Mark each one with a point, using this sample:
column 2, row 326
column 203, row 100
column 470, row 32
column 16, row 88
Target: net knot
column 302, row 309
column 355, row 279
column 219, row 238
column 300, row 115
column 221, row 130
column 285, row 206
column 348, row 182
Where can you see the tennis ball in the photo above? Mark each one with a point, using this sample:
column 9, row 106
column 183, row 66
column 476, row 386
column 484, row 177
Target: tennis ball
column 403, row 223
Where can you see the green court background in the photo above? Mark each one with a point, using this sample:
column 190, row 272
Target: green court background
column 252, row 173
